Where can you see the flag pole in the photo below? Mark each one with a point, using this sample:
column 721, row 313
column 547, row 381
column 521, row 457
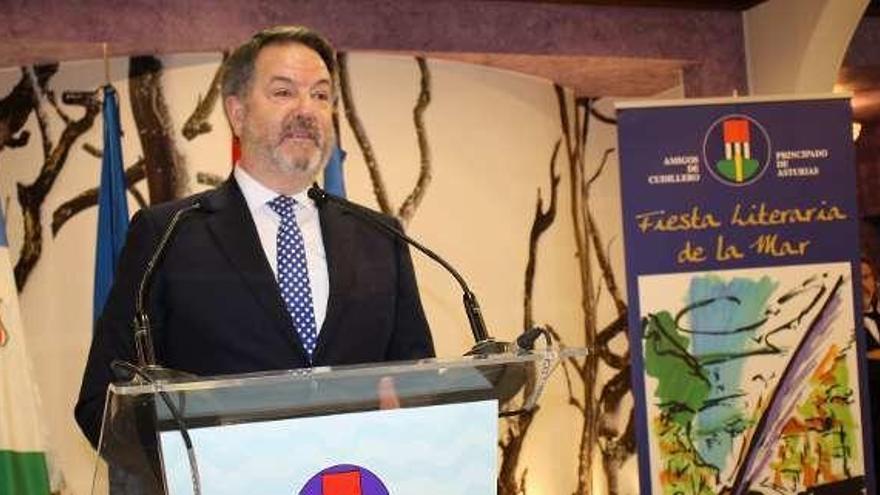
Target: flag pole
column 106, row 63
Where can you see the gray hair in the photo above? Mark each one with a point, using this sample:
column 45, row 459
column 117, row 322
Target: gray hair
column 238, row 68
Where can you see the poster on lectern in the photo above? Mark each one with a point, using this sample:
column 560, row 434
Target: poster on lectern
column 431, row 450
column 741, row 239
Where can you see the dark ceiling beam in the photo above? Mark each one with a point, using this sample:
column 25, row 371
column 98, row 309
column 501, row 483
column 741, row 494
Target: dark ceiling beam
column 705, row 46
column 736, row 5
column 873, row 9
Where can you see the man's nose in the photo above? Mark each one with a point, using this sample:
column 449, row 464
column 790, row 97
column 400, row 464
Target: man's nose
column 304, row 104
column 304, row 118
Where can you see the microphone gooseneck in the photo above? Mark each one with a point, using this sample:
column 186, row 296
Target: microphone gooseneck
column 484, row 343
column 121, row 367
column 143, row 334
column 147, row 369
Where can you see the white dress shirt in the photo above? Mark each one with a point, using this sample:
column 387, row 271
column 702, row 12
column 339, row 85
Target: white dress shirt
column 266, row 220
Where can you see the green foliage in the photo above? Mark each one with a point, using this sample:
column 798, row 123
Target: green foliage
column 683, row 471
column 682, row 387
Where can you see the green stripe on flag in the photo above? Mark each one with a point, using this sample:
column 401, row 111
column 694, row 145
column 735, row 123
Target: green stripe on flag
column 23, row 473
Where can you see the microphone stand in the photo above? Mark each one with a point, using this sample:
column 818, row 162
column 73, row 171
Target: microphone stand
column 147, row 370
column 143, row 332
column 484, row 344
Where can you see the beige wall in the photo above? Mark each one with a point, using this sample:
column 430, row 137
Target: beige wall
column 797, row 46
column 491, row 134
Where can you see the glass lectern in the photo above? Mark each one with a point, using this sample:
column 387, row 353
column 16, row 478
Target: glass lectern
column 422, row 427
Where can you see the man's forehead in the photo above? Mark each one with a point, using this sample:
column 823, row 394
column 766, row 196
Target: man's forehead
column 290, row 56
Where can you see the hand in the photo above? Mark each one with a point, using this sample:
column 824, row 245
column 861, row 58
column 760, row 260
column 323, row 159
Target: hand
column 387, row 394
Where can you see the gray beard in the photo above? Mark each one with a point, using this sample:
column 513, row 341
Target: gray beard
column 299, row 165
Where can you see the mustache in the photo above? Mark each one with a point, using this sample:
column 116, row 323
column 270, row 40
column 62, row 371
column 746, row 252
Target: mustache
column 301, row 126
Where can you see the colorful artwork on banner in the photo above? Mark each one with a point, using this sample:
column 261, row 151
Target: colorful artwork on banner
column 741, row 241
column 750, row 377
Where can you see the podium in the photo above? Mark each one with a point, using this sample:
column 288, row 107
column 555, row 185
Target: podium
column 426, row 426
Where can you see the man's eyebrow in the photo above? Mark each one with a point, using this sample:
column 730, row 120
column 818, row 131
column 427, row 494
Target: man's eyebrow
column 288, row 80
column 325, row 82
column 283, row 79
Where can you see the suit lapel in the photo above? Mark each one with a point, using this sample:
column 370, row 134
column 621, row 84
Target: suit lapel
column 234, row 232
column 336, row 232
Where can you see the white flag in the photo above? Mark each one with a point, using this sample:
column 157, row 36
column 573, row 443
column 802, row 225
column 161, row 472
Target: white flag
column 23, row 465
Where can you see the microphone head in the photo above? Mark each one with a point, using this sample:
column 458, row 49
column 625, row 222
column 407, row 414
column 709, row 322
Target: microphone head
column 317, row 195
column 207, row 202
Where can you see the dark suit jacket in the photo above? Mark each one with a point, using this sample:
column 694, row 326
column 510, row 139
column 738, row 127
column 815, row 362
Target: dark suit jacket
column 216, row 307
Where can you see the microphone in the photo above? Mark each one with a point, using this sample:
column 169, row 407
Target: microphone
column 484, row 344
column 143, row 334
column 526, row 340
column 147, row 370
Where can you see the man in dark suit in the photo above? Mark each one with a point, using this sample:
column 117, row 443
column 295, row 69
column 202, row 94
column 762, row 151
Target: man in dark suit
column 257, row 277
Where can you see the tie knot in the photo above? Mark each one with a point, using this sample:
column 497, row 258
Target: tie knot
column 283, row 206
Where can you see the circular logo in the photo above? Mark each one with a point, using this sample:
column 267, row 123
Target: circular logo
column 736, row 150
column 344, row 479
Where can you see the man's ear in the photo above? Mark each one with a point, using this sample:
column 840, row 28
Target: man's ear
column 235, row 113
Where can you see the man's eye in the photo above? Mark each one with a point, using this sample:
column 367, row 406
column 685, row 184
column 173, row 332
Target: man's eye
column 321, row 95
column 281, row 93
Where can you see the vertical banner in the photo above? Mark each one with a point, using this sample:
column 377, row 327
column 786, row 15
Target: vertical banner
column 741, row 239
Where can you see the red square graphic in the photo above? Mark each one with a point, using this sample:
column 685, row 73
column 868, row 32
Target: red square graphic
column 736, row 131
column 348, row 483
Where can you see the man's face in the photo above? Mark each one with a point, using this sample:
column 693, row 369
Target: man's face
column 284, row 121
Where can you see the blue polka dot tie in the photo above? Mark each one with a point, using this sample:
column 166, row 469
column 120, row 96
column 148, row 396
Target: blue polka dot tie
column 293, row 274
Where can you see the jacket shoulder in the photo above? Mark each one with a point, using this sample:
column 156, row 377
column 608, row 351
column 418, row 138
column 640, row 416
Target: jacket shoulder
column 209, row 200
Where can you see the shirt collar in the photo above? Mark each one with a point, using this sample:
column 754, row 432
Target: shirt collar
column 257, row 195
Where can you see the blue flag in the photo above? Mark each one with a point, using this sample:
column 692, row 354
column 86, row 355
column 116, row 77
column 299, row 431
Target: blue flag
column 112, row 204
column 334, row 178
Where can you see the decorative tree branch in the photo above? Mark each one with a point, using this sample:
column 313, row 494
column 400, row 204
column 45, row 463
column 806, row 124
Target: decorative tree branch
column 605, row 336
column 167, row 177
column 209, row 179
column 198, row 123
column 360, row 135
column 582, row 128
column 572, row 363
column 618, row 447
column 617, row 450
column 136, row 193
column 32, row 196
column 612, row 394
column 42, row 86
column 92, row 150
column 39, row 111
column 517, row 428
column 628, row 439
column 408, row 208
column 605, row 268
column 602, row 117
column 17, row 106
column 53, row 100
column 542, row 221
column 575, row 138
column 599, row 169
column 599, row 411
column 414, row 198
column 522, row 481
column 19, row 141
column 511, row 448
column 89, row 197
